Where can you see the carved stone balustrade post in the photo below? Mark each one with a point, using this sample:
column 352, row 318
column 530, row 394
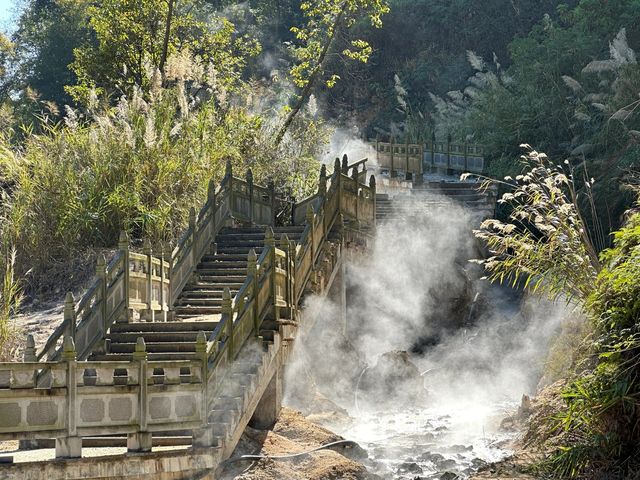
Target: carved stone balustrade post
column 252, row 273
column 101, row 275
column 29, row 354
column 71, row 445
column 69, row 314
column 141, row 441
column 148, row 314
column 228, row 178
column 162, row 300
column 227, row 316
column 322, row 183
column 211, row 197
column 123, row 246
column 284, row 245
column 270, row 245
column 203, row 437
column 168, row 255
column 345, row 164
column 272, row 195
column 372, row 186
column 250, row 193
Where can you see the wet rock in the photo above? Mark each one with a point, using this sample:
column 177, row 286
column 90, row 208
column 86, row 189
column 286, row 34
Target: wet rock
column 449, row 476
column 431, row 457
column 478, row 463
column 458, row 448
column 446, row 464
column 409, row 467
column 393, row 382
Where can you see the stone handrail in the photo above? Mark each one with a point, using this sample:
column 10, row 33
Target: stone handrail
column 413, row 157
column 108, row 398
column 101, row 398
column 151, row 284
column 102, row 304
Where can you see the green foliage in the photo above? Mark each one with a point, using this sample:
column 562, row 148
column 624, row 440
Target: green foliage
column 47, row 33
column 139, row 165
column 546, row 243
column 597, row 432
column 600, row 422
column 11, row 297
column 131, row 36
column 327, row 19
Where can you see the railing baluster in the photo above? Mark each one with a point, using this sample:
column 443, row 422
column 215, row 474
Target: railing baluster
column 70, row 315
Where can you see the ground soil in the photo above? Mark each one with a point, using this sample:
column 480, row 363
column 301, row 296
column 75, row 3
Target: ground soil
column 293, row 433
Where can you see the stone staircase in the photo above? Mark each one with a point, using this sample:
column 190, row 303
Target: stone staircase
column 199, row 307
column 224, row 267
column 426, row 198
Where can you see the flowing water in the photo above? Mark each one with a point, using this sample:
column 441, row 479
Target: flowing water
column 449, row 441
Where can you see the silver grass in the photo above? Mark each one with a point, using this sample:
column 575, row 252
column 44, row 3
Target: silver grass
column 572, row 83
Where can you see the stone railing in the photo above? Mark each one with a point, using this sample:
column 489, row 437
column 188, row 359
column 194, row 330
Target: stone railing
column 151, row 284
column 139, row 397
column 101, row 398
column 414, row 158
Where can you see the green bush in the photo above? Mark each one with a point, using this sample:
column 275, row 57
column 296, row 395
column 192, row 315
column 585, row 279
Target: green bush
column 138, row 166
column 600, row 426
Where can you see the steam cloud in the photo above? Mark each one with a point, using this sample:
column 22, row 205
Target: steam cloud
column 416, row 291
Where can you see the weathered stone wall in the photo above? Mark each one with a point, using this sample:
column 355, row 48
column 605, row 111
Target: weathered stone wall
column 174, row 465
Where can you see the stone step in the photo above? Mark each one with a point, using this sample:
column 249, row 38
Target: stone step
column 154, row 347
column 198, row 310
column 277, row 231
column 161, row 356
column 244, row 251
column 194, row 315
column 202, row 295
column 163, row 327
column 210, row 301
column 156, row 336
column 225, row 257
column 209, row 262
column 212, row 287
column 225, row 279
column 256, row 237
column 207, row 270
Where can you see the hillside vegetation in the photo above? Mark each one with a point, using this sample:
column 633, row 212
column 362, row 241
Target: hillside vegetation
column 116, row 114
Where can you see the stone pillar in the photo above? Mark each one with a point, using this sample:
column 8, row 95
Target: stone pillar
column 141, row 441
column 343, row 296
column 270, row 245
column 272, row 193
column 284, row 246
column 250, row 192
column 101, row 275
column 168, row 255
column 268, row 409
column 163, row 278
column 322, row 183
column 345, row 164
column 211, row 197
column 203, row 437
column 310, row 222
column 148, row 314
column 449, row 154
column 69, row 314
column 123, row 246
column 227, row 316
column 71, row 445
column 392, row 172
column 252, row 273
column 372, row 186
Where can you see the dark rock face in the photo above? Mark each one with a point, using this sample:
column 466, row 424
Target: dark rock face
column 393, row 382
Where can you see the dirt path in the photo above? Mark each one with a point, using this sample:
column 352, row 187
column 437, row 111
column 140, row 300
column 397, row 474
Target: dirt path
column 293, row 433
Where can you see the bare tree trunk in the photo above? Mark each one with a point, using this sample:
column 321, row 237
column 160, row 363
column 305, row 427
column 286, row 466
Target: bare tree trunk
column 315, row 75
column 167, row 34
